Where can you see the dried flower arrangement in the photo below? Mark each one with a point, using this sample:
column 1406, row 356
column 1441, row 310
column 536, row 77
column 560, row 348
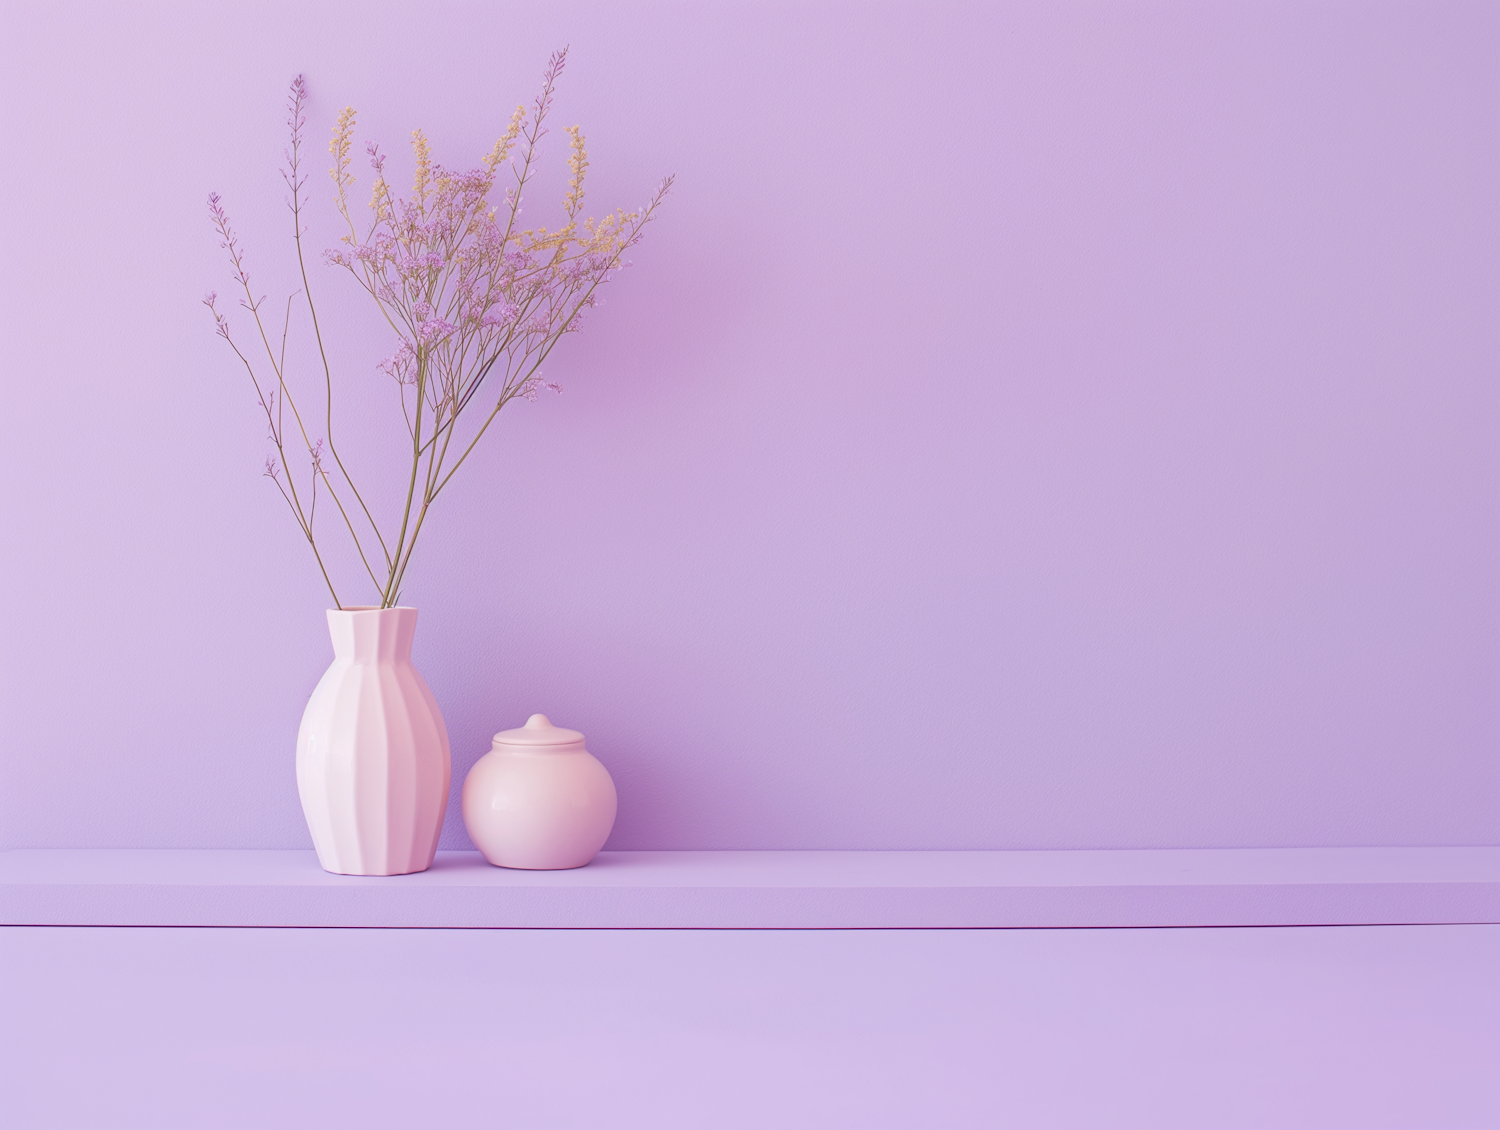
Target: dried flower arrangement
column 476, row 304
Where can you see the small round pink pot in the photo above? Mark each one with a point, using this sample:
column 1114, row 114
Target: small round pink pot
column 538, row 800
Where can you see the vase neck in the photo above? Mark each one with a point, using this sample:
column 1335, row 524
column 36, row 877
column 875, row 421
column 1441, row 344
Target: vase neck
column 372, row 635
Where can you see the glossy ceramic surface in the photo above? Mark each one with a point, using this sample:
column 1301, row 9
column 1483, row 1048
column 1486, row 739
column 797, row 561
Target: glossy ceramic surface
column 372, row 754
column 539, row 800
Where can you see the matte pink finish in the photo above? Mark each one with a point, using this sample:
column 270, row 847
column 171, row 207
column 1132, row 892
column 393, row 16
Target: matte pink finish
column 372, row 754
column 539, row 800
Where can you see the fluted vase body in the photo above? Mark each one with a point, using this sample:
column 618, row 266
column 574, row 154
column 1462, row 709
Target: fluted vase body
column 372, row 754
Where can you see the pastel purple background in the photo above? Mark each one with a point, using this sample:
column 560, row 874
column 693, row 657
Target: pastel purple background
column 1029, row 425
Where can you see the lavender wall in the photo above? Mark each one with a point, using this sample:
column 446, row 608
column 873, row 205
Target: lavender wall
column 1030, row 425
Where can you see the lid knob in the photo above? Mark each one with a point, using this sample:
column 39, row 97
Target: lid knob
column 539, row 731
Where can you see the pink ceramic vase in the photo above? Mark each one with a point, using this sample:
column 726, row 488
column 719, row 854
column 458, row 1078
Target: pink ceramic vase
column 372, row 753
column 538, row 799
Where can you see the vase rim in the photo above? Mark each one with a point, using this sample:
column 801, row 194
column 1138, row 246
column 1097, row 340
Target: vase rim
column 374, row 608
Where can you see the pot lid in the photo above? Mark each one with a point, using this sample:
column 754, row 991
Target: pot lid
column 539, row 730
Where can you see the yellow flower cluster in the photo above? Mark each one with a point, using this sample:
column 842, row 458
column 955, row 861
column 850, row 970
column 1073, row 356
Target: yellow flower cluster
column 501, row 151
column 343, row 140
column 423, row 178
column 577, row 163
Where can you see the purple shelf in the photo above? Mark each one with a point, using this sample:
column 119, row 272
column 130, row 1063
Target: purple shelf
column 764, row 889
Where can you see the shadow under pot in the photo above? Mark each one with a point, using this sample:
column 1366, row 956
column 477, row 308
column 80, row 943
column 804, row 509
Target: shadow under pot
column 538, row 800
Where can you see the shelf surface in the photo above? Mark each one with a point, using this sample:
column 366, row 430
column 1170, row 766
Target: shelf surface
column 763, row 889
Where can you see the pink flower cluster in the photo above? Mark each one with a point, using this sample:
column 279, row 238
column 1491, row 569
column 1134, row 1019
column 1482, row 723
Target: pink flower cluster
column 474, row 298
column 476, row 303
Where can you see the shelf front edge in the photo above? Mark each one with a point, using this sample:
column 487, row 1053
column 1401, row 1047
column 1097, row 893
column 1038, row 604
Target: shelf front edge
column 761, row 901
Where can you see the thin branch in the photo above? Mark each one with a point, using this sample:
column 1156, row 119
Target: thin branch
column 312, row 311
column 471, row 298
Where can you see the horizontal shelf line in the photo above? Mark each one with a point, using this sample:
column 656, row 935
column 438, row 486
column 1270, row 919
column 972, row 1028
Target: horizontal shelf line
column 764, row 889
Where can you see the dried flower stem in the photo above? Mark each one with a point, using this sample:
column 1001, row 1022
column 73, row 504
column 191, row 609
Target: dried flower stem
column 472, row 299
